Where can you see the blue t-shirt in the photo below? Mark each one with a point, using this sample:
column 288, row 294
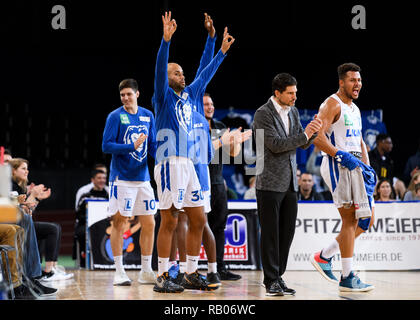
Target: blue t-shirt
column 121, row 131
column 174, row 114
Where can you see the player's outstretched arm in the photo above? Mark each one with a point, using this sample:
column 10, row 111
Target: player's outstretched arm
column 169, row 26
column 208, row 52
column 228, row 40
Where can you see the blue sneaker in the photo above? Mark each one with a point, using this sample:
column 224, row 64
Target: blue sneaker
column 173, row 271
column 324, row 267
column 353, row 284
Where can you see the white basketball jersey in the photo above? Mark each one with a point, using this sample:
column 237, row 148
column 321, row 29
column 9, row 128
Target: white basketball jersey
column 346, row 132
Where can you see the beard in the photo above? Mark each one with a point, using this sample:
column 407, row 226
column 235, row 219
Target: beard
column 176, row 86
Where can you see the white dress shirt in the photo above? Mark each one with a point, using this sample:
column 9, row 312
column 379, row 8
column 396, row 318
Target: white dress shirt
column 283, row 112
column 284, row 115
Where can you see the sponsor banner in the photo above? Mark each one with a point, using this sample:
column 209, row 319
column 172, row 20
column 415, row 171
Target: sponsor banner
column 393, row 243
column 98, row 246
column 241, row 241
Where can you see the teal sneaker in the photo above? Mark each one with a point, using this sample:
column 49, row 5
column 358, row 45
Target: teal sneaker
column 324, row 267
column 353, row 284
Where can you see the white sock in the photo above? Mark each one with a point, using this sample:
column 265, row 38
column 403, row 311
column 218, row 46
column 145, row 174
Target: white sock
column 212, row 267
column 182, row 267
column 118, row 260
column 331, row 250
column 346, row 265
column 163, row 264
column 192, row 263
column 146, row 263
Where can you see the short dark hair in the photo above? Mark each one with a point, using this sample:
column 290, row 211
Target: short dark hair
column 128, row 83
column 282, row 81
column 382, row 136
column 206, row 94
column 95, row 172
column 98, row 165
column 345, row 67
column 8, row 152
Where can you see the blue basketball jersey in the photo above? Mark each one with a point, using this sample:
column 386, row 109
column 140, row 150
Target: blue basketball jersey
column 174, row 114
column 122, row 129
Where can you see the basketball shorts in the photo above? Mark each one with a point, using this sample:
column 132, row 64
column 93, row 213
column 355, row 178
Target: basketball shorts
column 178, row 184
column 132, row 201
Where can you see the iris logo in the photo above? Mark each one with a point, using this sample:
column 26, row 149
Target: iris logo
column 131, row 135
column 183, row 115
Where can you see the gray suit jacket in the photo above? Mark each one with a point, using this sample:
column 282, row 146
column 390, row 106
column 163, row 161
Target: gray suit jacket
column 279, row 149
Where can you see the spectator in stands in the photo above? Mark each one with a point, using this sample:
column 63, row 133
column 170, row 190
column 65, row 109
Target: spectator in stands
column 413, row 165
column 86, row 188
column 250, row 193
column 7, row 155
column 97, row 191
column 417, row 190
column 231, row 194
column 383, row 165
column 306, row 190
column 384, row 191
column 51, row 232
column 411, row 190
column 313, row 166
column 11, row 235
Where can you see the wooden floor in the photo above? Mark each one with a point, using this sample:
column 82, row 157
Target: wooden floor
column 309, row 285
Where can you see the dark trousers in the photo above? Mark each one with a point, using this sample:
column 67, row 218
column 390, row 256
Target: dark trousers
column 51, row 234
column 277, row 212
column 217, row 218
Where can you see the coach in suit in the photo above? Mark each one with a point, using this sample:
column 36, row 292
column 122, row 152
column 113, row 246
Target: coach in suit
column 276, row 185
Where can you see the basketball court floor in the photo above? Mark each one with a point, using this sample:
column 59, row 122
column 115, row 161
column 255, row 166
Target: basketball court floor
column 309, row 285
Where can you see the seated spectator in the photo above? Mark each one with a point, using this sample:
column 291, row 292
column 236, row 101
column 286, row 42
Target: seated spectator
column 417, row 190
column 411, row 192
column 306, row 190
column 384, row 191
column 7, row 155
column 51, row 232
column 250, row 193
column 97, row 191
column 86, row 188
column 12, row 235
column 313, row 165
column 413, row 165
column 231, row 194
column 383, row 165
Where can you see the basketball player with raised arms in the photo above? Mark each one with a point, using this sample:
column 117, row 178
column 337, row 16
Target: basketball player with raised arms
column 177, row 182
column 340, row 140
column 130, row 136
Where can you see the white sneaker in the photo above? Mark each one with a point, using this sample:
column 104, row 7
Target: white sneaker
column 147, row 277
column 121, row 279
column 55, row 277
column 62, row 271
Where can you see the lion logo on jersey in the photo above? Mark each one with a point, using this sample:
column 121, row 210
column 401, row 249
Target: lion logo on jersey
column 131, row 135
column 183, row 115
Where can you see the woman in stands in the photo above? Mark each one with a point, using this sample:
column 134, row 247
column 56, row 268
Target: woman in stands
column 29, row 197
column 385, row 191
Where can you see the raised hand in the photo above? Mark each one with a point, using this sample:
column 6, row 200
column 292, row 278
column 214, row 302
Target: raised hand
column 41, row 192
column 227, row 41
column 208, row 24
column 169, row 26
